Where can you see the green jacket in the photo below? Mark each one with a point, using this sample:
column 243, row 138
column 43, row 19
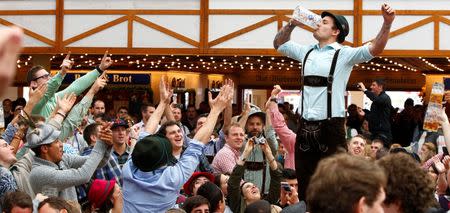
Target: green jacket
column 47, row 104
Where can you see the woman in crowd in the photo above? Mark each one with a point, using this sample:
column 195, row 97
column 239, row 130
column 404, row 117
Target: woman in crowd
column 105, row 196
column 242, row 195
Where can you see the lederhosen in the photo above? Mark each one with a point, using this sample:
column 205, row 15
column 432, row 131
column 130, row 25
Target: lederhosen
column 317, row 139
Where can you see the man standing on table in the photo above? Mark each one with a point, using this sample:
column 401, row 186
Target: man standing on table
column 321, row 130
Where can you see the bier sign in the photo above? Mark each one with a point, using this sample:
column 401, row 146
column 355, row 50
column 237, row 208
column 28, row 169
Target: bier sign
column 133, row 79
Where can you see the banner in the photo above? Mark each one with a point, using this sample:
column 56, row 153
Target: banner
column 127, row 79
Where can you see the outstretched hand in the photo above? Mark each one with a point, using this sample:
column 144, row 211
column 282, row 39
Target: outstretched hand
column 66, row 103
column 165, row 90
column 222, row 100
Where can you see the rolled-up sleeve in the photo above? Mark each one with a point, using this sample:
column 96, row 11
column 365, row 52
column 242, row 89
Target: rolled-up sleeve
column 293, row 50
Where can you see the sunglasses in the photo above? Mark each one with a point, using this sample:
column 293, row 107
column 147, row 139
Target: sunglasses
column 42, row 76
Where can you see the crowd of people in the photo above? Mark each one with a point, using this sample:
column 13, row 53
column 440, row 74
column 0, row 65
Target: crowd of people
column 61, row 152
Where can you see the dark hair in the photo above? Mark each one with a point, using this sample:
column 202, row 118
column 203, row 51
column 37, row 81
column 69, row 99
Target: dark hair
column 409, row 102
column 407, row 183
column 108, row 204
column 90, row 130
column 19, row 102
column 213, row 193
column 145, row 106
column 31, row 74
column 123, row 107
column 57, row 203
column 37, row 151
column 194, row 202
column 95, row 101
column 380, row 82
column 18, row 198
column 289, row 174
column 162, row 130
column 102, row 116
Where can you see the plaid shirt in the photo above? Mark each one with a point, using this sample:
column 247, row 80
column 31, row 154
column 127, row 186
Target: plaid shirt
column 112, row 170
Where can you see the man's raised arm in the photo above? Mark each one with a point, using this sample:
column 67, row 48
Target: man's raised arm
column 378, row 44
column 284, row 35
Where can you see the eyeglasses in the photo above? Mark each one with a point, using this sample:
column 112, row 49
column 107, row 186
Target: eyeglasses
column 42, row 76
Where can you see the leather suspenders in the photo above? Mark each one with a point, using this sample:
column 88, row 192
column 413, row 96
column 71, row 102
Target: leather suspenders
column 328, row 80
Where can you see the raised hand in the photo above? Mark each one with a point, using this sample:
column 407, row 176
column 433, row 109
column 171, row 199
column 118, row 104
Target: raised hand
column 165, row 91
column 388, row 13
column 105, row 133
column 100, row 83
column 66, row 64
column 247, row 106
column 10, row 47
column 361, row 86
column 106, row 62
column 275, row 91
column 66, row 103
column 222, row 100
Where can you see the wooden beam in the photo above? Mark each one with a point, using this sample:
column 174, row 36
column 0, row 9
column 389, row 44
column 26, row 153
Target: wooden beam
column 357, row 23
column 213, row 51
column 27, row 12
column 130, row 31
column 279, row 22
column 409, row 27
column 29, row 32
column 243, row 30
column 135, row 12
column 59, row 25
column 95, row 30
column 269, row 12
column 204, row 24
column 436, row 32
column 166, row 31
column 444, row 20
column 410, row 12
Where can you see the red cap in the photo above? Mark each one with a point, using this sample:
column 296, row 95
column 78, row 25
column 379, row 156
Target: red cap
column 194, row 176
column 99, row 191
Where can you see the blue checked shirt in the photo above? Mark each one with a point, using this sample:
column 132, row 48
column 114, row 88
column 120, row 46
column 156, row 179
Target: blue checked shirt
column 112, row 170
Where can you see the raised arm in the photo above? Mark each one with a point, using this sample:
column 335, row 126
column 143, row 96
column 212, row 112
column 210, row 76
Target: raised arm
column 244, row 115
column 217, row 105
column 63, row 106
column 227, row 113
column 81, row 84
column 76, row 114
column 377, row 45
column 165, row 92
column 284, row 35
column 445, row 128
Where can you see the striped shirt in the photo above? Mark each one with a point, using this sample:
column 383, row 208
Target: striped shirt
column 225, row 160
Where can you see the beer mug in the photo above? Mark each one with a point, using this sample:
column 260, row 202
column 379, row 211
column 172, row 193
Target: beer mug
column 306, row 17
